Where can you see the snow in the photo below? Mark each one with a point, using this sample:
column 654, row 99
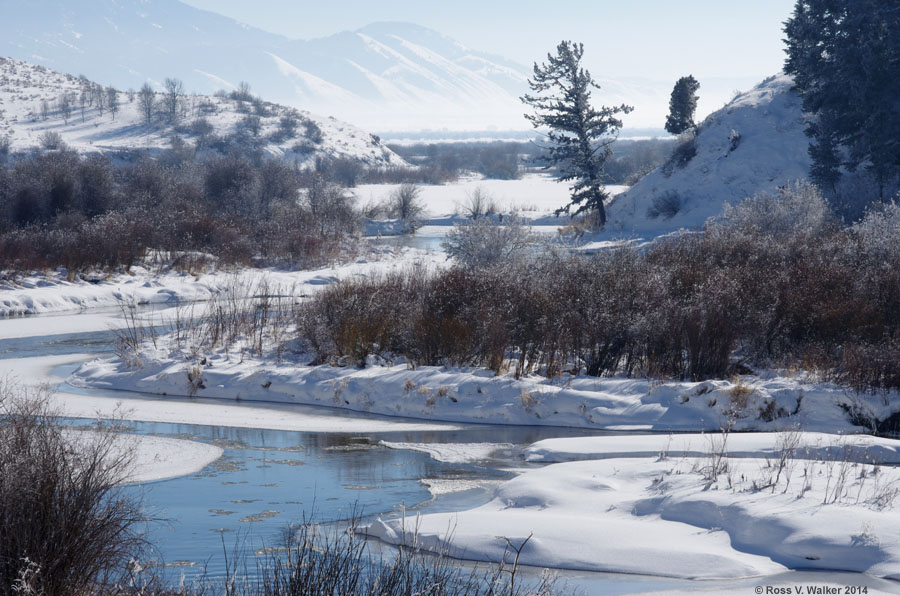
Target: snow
column 474, row 395
column 627, row 514
column 771, row 152
column 534, row 197
column 39, row 370
column 23, row 86
column 747, row 445
column 455, row 453
column 48, row 292
column 156, row 458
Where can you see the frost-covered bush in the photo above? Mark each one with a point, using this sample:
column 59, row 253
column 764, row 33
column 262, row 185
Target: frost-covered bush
column 485, row 242
column 796, row 209
column 878, row 235
column 51, row 141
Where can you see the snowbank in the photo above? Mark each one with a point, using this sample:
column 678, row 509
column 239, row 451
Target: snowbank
column 748, row 445
column 41, row 293
column 475, row 395
column 672, row 516
column 157, row 458
column 39, row 370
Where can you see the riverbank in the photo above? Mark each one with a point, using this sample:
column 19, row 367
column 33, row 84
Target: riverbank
column 752, row 505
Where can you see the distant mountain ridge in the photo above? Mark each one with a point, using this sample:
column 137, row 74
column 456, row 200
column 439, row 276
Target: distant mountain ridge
column 385, row 76
column 31, row 115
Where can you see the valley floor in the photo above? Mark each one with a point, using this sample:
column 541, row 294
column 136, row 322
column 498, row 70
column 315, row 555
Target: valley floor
column 809, row 491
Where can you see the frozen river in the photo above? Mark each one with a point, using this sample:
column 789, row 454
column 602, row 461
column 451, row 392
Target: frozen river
column 268, row 479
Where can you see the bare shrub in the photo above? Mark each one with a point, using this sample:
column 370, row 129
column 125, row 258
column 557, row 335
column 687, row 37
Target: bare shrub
column 51, row 141
column 66, row 525
column 406, row 205
column 319, row 562
column 684, row 151
column 479, row 203
column 666, row 205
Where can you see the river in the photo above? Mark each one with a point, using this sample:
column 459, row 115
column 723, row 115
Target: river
column 268, row 479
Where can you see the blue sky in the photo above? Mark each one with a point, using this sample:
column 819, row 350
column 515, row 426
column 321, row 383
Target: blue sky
column 658, row 39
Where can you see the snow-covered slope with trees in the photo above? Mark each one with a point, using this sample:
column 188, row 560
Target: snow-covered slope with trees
column 754, row 144
column 385, row 76
column 32, row 112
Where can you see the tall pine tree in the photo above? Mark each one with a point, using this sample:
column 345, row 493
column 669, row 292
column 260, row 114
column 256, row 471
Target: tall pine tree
column 844, row 56
column 683, row 105
column 579, row 135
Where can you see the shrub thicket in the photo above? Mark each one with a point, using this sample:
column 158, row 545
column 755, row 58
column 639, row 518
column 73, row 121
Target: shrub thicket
column 58, row 209
column 774, row 281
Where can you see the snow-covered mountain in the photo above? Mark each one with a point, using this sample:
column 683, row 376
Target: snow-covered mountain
column 31, row 112
column 754, row 144
column 385, row 76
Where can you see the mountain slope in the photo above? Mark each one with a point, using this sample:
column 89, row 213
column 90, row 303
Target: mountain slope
column 754, row 144
column 212, row 120
column 385, row 76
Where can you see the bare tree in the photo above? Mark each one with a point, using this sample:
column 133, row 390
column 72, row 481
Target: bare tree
column 45, row 109
column 65, row 106
column 174, row 92
column 100, row 97
column 83, row 102
column 146, row 102
column 112, row 100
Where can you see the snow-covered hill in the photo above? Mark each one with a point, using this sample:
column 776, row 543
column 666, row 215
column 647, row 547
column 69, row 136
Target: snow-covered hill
column 385, row 76
column 31, row 111
column 754, row 144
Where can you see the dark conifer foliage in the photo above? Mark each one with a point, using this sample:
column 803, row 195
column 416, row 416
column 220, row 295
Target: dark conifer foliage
column 579, row 135
column 845, row 57
column 683, row 106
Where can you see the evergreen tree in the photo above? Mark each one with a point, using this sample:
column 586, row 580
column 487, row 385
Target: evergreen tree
column 579, row 135
column 683, row 105
column 844, row 56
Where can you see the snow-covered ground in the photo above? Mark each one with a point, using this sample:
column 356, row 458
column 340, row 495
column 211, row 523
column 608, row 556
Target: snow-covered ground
column 751, row 513
column 41, row 370
column 156, row 458
column 754, row 144
column 533, row 197
column 48, row 292
column 773, row 402
column 24, row 87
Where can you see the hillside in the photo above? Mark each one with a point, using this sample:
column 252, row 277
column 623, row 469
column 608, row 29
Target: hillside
column 754, row 144
column 30, row 110
column 384, row 76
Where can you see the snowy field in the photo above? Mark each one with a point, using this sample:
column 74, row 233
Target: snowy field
column 789, row 500
column 534, row 197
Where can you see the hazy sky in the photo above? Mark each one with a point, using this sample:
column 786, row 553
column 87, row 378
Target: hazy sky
column 658, row 39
